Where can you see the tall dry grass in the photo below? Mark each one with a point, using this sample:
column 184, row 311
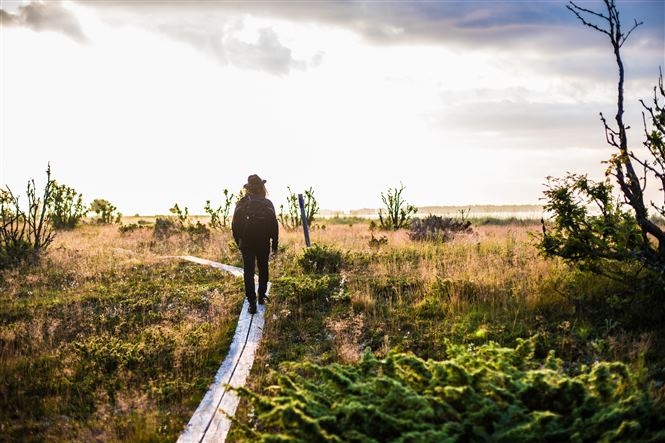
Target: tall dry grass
column 491, row 285
column 111, row 338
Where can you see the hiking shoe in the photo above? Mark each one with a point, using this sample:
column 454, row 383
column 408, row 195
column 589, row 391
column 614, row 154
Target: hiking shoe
column 263, row 299
column 252, row 308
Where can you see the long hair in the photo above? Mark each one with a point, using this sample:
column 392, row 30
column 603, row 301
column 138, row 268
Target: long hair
column 259, row 189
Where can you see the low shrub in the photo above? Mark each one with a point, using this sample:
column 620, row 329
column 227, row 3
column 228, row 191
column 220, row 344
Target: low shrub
column 437, row 228
column 66, row 207
column 321, row 259
column 198, row 233
column 377, row 242
column 164, row 228
column 398, row 210
column 220, row 216
column 306, row 288
column 487, row 393
column 25, row 234
column 123, row 229
column 290, row 219
column 106, row 212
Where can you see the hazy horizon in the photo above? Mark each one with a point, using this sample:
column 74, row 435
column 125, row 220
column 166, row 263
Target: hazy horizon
column 422, row 210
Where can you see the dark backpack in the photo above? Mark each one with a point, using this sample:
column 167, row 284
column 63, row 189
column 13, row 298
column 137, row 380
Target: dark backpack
column 259, row 219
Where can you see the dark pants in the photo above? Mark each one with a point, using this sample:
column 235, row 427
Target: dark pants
column 251, row 255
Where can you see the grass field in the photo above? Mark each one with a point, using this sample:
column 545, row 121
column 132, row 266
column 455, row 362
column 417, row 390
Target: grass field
column 108, row 339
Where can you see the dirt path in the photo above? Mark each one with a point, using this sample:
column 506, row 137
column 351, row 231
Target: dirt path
column 211, row 422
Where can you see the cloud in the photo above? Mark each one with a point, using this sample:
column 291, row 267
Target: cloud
column 215, row 35
column 521, row 122
column 506, row 27
column 208, row 27
column 42, row 16
column 8, row 19
column 267, row 54
column 464, row 24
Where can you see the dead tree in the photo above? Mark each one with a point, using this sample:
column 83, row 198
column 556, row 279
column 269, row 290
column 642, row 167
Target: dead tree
column 24, row 235
column 621, row 166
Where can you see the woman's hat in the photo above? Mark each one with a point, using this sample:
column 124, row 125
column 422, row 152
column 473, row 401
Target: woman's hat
column 254, row 181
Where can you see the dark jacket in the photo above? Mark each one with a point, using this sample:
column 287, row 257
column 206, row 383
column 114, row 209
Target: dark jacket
column 269, row 229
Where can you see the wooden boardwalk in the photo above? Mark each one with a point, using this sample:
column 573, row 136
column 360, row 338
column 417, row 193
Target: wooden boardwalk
column 211, row 422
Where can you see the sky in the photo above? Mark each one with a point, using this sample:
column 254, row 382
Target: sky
column 149, row 103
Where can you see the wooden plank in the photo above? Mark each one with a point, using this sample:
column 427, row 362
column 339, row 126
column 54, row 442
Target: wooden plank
column 221, row 423
column 200, row 421
column 211, row 422
column 234, row 270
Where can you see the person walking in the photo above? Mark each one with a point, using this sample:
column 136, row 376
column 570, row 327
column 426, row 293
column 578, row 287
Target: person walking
column 254, row 225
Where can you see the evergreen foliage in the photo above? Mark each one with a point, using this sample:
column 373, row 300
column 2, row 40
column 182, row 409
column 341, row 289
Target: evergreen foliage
column 489, row 393
column 593, row 237
column 321, row 259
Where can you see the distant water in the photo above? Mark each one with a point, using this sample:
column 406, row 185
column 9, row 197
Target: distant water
column 535, row 213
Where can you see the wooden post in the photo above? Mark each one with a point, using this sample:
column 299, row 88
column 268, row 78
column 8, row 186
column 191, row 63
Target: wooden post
column 303, row 217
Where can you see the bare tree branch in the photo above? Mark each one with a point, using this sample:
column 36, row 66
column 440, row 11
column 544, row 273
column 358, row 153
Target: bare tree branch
column 624, row 38
column 577, row 10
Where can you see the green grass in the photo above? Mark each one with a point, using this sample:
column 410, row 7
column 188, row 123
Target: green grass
column 123, row 355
